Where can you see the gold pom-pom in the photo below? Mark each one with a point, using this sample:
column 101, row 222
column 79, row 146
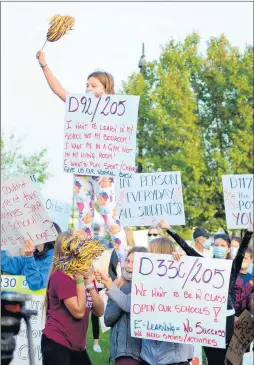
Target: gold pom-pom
column 59, row 25
column 78, row 253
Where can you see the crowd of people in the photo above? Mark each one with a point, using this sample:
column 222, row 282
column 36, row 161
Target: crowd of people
column 71, row 298
column 71, row 295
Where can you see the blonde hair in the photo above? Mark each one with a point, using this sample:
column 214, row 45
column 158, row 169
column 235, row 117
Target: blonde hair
column 161, row 245
column 74, row 253
column 158, row 229
column 130, row 237
column 58, row 253
column 106, row 79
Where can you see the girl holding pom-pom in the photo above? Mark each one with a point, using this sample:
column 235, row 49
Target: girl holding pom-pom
column 89, row 188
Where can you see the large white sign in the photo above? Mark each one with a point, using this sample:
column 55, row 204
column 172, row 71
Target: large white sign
column 144, row 199
column 59, row 212
column 100, row 134
column 238, row 200
column 23, row 215
column 184, row 302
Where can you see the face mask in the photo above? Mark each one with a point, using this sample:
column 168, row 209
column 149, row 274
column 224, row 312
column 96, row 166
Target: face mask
column 127, row 275
column 207, row 244
column 219, row 252
column 233, row 251
column 150, row 238
column 245, row 265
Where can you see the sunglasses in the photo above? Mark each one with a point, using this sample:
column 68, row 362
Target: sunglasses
column 153, row 234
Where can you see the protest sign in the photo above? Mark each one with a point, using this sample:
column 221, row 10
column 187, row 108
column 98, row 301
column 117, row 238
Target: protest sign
column 238, row 200
column 23, row 215
column 21, row 353
column 144, row 199
column 100, row 134
column 59, row 212
column 180, row 301
column 241, row 339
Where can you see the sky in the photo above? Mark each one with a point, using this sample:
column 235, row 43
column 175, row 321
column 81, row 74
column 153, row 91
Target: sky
column 106, row 36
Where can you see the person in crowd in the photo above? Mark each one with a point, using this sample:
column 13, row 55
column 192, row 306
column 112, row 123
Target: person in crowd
column 124, row 349
column 152, row 352
column 202, row 242
column 34, row 265
column 98, row 234
column 244, row 285
column 154, row 232
column 71, row 295
column 114, row 269
column 87, row 188
column 235, row 242
column 221, row 251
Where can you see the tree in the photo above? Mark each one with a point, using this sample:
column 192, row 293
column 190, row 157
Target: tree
column 14, row 163
column 195, row 117
column 224, row 88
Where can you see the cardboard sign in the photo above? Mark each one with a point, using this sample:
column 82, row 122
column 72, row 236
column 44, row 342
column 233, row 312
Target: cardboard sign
column 180, row 301
column 241, row 339
column 23, row 215
column 100, row 134
column 238, row 200
column 145, row 199
column 59, row 212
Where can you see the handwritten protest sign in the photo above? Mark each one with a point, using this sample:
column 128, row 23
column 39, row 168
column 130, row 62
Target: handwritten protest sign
column 184, row 302
column 241, row 339
column 144, row 199
column 23, row 215
column 21, row 353
column 59, row 212
column 238, row 200
column 100, row 134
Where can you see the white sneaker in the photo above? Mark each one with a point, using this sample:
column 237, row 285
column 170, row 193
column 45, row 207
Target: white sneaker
column 97, row 348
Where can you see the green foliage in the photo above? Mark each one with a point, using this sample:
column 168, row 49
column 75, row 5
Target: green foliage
column 195, row 117
column 14, row 163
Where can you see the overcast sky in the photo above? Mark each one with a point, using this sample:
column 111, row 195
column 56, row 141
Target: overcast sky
column 108, row 36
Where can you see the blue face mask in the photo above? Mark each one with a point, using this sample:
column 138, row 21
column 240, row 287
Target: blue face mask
column 207, row 244
column 219, row 252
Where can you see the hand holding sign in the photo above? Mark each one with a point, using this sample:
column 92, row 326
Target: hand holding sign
column 184, row 302
column 163, row 224
column 29, row 248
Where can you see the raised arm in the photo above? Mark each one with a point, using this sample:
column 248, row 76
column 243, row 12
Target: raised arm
column 184, row 245
column 52, row 81
column 237, row 263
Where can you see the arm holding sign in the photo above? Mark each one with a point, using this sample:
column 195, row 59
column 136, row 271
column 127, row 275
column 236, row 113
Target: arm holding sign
column 237, row 262
column 121, row 299
column 12, row 265
column 184, row 245
column 53, row 83
column 37, row 271
column 113, row 312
